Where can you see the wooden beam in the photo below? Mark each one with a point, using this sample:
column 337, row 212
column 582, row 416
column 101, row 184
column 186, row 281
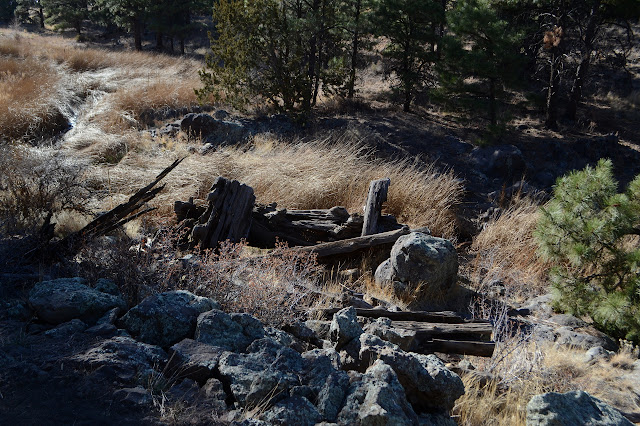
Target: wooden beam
column 432, row 317
column 351, row 245
column 476, row 331
column 373, row 209
column 484, row 349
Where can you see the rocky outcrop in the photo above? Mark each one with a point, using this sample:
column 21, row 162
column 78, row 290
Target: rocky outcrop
column 265, row 373
column 575, row 408
column 64, row 299
column 122, row 357
column 166, row 318
column 377, row 398
column 232, row 332
column 194, row 360
column 419, row 265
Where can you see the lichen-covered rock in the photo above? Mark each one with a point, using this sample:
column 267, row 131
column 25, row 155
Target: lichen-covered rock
column 344, row 327
column 399, row 336
column 166, row 318
column 575, row 408
column 233, row 332
column 124, row 358
column 194, row 360
column 214, row 395
column 292, row 411
column 265, row 373
column 67, row 329
column 419, row 263
column 377, row 398
column 429, row 385
column 64, row 299
column 320, row 364
column 332, row 396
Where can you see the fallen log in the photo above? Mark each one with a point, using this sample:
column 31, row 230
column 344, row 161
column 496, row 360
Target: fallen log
column 474, row 331
column 119, row 215
column 373, row 208
column 351, row 245
column 434, row 317
column 484, row 349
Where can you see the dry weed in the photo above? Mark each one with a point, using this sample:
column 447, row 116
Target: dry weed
column 505, row 251
column 533, row 369
column 36, row 182
column 276, row 288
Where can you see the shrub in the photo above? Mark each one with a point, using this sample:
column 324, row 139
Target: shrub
column 37, row 182
column 588, row 230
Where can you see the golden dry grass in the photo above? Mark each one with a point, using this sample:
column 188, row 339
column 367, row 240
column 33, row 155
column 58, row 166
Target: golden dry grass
column 105, row 93
column 532, row 370
column 33, row 97
column 505, row 250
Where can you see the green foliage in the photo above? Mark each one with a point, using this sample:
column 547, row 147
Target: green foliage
column 483, row 46
column 126, row 14
column 63, row 14
column 587, row 230
column 410, row 26
column 282, row 50
column 6, row 10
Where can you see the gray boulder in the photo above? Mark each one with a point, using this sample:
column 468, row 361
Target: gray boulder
column 331, row 397
column 166, row 318
column 67, row 329
column 122, row 358
column 194, row 360
column 64, row 299
column 399, row 336
column 214, row 395
column 429, row 385
column 263, row 375
column 377, row 398
column 292, row 411
column 344, row 327
column 232, row 332
column 419, row 263
column 575, row 408
column 211, row 130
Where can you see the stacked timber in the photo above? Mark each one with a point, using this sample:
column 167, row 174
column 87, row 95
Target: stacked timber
column 444, row 332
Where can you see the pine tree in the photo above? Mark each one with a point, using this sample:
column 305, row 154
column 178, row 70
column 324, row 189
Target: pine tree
column 7, row 9
column 127, row 14
column 411, row 27
column 26, row 9
column 63, row 14
column 281, row 50
column 586, row 230
column 483, row 46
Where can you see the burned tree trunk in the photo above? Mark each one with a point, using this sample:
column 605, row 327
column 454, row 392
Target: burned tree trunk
column 373, row 210
column 228, row 216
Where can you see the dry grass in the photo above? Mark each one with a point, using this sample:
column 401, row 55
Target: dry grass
column 335, row 171
column 532, row 370
column 105, row 94
column 34, row 98
column 505, row 250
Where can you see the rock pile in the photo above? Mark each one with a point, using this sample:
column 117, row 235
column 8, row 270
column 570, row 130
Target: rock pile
column 234, row 365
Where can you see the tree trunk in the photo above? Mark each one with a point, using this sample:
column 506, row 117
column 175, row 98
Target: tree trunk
column 41, row 15
column 575, row 95
column 354, row 51
column 551, row 119
column 159, row 42
column 137, row 33
column 492, row 102
column 182, row 45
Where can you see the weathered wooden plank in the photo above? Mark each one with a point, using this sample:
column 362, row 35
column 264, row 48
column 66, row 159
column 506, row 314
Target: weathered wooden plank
column 476, row 331
column 432, row 317
column 351, row 245
column 373, row 209
column 484, row 349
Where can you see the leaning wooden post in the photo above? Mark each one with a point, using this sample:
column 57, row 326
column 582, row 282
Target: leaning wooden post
column 373, row 209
